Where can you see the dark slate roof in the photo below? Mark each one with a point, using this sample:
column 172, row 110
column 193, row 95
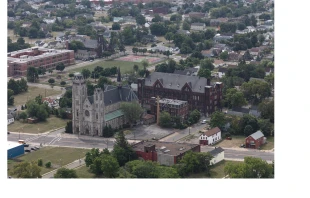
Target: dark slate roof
column 90, row 43
column 91, row 99
column 176, row 81
column 216, row 151
column 114, row 94
column 257, row 135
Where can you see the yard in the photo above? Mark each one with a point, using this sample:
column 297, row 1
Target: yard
column 58, row 156
column 235, row 142
column 269, row 145
column 51, row 123
column 124, row 66
column 21, row 99
column 83, row 172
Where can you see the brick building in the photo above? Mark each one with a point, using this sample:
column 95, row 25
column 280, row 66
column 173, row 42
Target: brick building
column 199, row 92
column 19, row 61
column 255, row 140
column 173, row 107
column 165, row 153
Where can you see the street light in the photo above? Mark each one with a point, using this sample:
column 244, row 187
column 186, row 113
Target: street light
column 189, row 130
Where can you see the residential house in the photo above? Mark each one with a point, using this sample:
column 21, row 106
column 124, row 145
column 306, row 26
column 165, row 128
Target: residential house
column 84, row 54
column 234, row 56
column 222, row 71
column 218, row 21
column 219, row 63
column 218, row 155
column 118, row 19
column 149, row 38
column 129, row 19
column 165, row 153
column 218, row 37
column 184, row 32
column 199, row 15
column 49, row 20
column 10, row 119
column 198, row 26
column 211, row 136
column 207, row 53
column 241, row 111
column 255, row 140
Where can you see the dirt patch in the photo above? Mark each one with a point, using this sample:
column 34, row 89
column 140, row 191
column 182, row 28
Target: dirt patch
column 235, row 142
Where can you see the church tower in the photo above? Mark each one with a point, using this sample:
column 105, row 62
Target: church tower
column 79, row 94
column 98, row 121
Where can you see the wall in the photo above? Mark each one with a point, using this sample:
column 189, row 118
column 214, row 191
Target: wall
column 17, row 151
column 219, row 157
column 147, row 156
column 165, row 159
column 211, row 140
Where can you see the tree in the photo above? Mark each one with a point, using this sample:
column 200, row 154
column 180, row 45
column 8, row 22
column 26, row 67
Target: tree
column 23, row 116
column 90, row 156
column 196, row 162
column 72, row 75
column 207, row 64
column 86, row 73
column 62, row 83
column 68, row 128
column 50, row 71
column 194, row 116
column 109, row 166
column 32, row 74
column 267, row 110
column 42, row 114
column 140, row 19
column 10, row 97
column 116, row 26
column 38, row 99
column 186, row 26
column 40, row 162
column 32, row 108
column 41, row 71
column 147, row 169
column 158, row 29
column 135, row 68
column 256, row 90
column 122, row 150
column 248, row 130
column 224, row 55
column 248, row 120
column 65, row 173
column 102, row 81
column 266, row 127
column 165, row 119
column 234, row 98
column 251, row 168
column 60, row 67
column 26, row 170
column 51, row 81
column 95, row 167
column 169, row 36
column 204, row 73
column 218, row 120
column 132, row 111
column 48, row 165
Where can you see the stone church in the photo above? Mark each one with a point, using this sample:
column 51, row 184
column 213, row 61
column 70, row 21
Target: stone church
column 90, row 114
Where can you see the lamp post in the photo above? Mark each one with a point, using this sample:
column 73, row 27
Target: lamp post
column 189, row 130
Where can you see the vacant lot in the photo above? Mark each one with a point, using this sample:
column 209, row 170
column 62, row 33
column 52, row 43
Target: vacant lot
column 234, row 143
column 124, row 66
column 269, row 145
column 21, row 99
column 58, row 156
column 51, row 123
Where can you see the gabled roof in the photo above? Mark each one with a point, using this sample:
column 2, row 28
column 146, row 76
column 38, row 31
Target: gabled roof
column 216, row 151
column 212, row 131
column 257, row 135
column 114, row 94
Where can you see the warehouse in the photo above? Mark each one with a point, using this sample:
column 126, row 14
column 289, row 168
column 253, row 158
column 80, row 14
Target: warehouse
column 15, row 149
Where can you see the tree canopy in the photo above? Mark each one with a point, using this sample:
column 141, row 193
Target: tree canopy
column 65, row 173
column 132, row 111
column 26, row 170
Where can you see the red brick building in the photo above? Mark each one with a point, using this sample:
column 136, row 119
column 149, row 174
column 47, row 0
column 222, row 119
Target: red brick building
column 255, row 140
column 19, row 61
column 173, row 107
column 199, row 92
column 165, row 153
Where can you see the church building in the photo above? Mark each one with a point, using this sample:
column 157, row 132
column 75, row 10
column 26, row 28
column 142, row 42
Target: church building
column 90, row 114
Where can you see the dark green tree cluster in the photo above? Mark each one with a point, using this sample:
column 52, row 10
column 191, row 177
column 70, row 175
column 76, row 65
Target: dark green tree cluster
column 18, row 86
column 108, row 131
column 132, row 111
column 256, row 91
column 26, row 170
column 65, row 173
column 76, row 45
column 246, row 71
column 194, row 117
column 37, row 109
column 165, row 119
column 166, row 67
column 19, row 45
column 32, row 74
column 106, row 72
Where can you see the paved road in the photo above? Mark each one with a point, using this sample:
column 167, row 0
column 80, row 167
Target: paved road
column 238, row 154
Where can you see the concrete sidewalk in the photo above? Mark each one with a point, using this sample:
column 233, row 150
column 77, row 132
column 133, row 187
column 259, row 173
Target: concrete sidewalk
column 72, row 165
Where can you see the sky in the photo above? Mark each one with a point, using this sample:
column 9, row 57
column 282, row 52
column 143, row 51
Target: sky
column 291, row 132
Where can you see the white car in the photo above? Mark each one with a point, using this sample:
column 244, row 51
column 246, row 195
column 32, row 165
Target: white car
column 203, row 122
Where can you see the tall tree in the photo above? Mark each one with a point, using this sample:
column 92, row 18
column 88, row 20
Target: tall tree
column 218, row 120
column 109, row 166
column 65, row 173
column 256, row 90
column 10, row 97
column 204, row 73
column 32, row 74
column 234, row 98
column 132, row 111
column 122, row 150
column 26, row 170
column 165, row 119
column 169, row 36
column 267, row 110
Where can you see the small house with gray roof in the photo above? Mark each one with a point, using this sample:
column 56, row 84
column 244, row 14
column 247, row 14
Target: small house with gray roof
column 255, row 140
column 199, row 92
column 90, row 114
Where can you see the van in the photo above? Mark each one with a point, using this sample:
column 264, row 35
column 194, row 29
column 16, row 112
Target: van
column 21, row 141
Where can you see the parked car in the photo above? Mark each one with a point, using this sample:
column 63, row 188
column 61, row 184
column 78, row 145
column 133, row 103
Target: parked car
column 203, row 122
column 8, row 132
column 37, row 147
column 26, row 145
column 242, row 146
column 27, row 151
column 228, row 138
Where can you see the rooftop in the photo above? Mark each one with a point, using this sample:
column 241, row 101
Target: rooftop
column 169, row 148
column 171, row 101
column 12, row 145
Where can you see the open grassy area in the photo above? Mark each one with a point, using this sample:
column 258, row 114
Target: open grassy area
column 269, row 145
column 234, row 143
column 58, row 156
column 21, row 99
column 124, row 66
column 217, row 171
column 51, row 123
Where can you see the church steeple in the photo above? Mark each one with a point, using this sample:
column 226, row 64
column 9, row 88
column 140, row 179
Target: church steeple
column 119, row 76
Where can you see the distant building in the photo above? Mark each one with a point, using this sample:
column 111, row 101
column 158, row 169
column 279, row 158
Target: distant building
column 10, row 119
column 218, row 155
column 19, row 61
column 198, row 26
column 255, row 140
column 211, row 136
column 165, row 153
column 15, row 149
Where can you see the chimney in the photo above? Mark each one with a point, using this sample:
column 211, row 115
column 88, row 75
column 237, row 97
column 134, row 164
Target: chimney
column 67, row 45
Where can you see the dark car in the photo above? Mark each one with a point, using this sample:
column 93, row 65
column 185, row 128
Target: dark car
column 26, row 145
column 27, row 151
column 37, row 148
column 242, row 146
column 33, row 149
column 8, row 132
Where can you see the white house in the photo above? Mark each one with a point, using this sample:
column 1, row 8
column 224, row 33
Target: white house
column 210, row 137
column 10, row 119
column 198, row 26
column 218, row 155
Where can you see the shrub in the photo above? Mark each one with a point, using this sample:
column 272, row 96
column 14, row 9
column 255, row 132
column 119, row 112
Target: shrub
column 63, row 83
column 40, row 162
column 48, row 165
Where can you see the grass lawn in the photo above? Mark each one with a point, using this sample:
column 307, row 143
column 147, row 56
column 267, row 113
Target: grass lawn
column 21, row 99
column 124, row 66
column 269, row 145
column 234, row 143
column 51, row 123
column 84, row 172
column 58, row 156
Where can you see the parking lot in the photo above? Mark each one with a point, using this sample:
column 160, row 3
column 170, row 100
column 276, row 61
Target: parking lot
column 145, row 132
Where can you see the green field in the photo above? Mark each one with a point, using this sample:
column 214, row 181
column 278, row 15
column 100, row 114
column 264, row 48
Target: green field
column 124, row 66
column 269, row 145
column 21, row 99
column 51, row 123
column 58, row 156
